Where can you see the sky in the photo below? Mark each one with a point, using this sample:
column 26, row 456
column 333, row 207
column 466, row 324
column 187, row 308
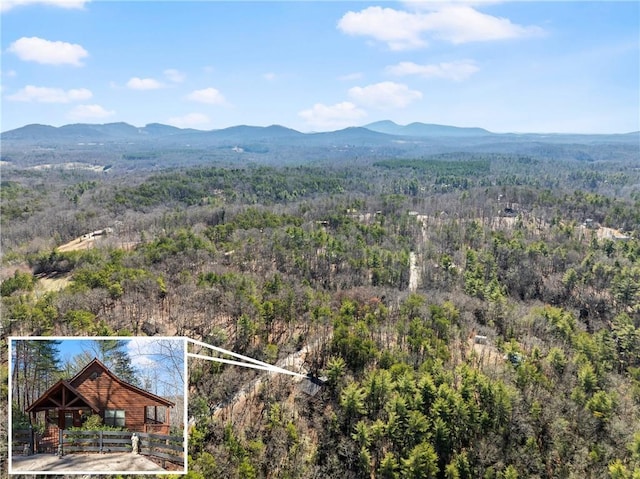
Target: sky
column 161, row 360
column 565, row 67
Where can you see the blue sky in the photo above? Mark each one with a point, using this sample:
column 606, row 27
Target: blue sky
column 158, row 359
column 319, row 66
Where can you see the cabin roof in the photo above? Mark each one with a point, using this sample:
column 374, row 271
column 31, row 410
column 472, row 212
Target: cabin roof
column 61, row 395
column 142, row 392
column 64, row 393
column 312, row 385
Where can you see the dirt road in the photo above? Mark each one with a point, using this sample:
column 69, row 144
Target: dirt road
column 413, row 272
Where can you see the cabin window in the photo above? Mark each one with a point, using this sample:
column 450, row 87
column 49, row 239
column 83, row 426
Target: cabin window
column 52, row 416
column 114, row 417
column 68, row 420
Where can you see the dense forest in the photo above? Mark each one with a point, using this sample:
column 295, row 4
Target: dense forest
column 472, row 315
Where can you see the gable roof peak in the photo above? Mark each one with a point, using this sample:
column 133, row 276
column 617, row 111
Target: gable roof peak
column 113, row 376
column 95, row 360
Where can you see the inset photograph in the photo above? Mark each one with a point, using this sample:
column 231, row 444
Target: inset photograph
column 97, row 405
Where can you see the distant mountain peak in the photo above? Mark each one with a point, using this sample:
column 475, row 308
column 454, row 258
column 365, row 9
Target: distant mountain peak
column 424, row 129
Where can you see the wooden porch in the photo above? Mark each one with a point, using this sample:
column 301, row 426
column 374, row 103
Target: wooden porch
column 156, row 420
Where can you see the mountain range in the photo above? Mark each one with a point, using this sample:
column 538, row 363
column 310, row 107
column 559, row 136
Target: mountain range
column 381, row 131
column 157, row 145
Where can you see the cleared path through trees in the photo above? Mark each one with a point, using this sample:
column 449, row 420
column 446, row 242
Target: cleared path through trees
column 294, row 362
column 413, row 272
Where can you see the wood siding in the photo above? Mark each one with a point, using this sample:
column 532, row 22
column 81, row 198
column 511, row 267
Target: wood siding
column 101, row 389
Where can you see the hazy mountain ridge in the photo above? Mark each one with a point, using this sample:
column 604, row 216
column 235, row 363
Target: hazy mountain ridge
column 158, row 146
column 384, row 130
column 425, row 129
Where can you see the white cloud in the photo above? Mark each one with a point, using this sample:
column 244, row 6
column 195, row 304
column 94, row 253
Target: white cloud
column 456, row 71
column 141, row 352
column 384, row 95
column 174, row 75
column 340, row 115
column 456, row 23
column 136, row 83
column 43, row 51
column 7, row 5
column 190, row 120
column 270, row 76
column 160, row 361
column 210, row 96
column 400, row 30
column 87, row 112
column 463, row 24
column 40, row 94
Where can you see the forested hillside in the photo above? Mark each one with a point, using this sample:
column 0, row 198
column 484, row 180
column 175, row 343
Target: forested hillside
column 475, row 315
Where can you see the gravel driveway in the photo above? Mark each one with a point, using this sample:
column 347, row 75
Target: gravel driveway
column 111, row 463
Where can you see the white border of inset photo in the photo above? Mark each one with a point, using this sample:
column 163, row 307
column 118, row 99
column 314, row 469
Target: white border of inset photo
column 80, row 403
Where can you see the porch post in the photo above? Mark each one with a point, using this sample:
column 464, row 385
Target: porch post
column 60, row 450
column 32, row 441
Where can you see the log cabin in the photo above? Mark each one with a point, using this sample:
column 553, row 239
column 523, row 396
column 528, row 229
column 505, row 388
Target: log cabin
column 97, row 390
